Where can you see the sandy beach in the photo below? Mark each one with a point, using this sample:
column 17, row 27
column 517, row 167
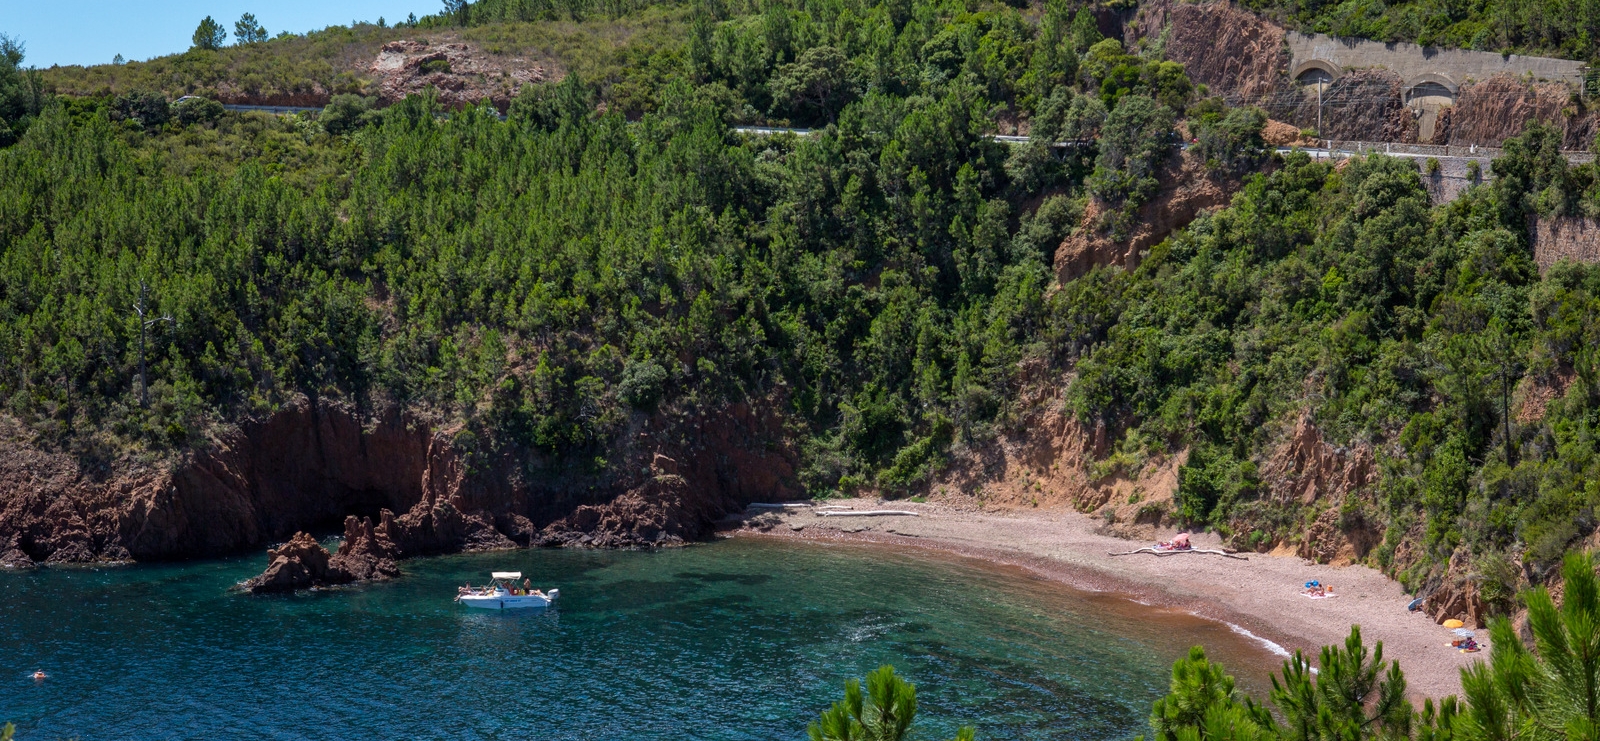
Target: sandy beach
column 1260, row 595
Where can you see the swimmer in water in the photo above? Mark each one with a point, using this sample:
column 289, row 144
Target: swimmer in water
column 40, row 676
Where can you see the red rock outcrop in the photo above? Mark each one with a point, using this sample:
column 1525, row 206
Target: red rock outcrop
column 1538, row 390
column 1053, row 459
column 365, row 555
column 1457, row 596
column 310, row 466
column 1308, row 472
column 13, row 557
column 1187, row 188
column 297, row 564
column 1489, row 112
column 1280, row 134
column 1231, row 51
column 1306, row 468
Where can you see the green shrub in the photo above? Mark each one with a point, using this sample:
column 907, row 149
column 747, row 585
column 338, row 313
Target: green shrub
column 643, row 383
column 1233, row 142
column 146, row 109
column 194, row 110
column 346, row 113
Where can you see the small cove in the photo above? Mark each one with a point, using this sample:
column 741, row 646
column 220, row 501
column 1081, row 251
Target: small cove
column 738, row 639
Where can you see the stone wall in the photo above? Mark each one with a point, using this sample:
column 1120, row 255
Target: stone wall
column 1564, row 237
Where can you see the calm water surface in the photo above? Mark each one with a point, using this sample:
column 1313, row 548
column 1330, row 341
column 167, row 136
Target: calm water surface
column 740, row 639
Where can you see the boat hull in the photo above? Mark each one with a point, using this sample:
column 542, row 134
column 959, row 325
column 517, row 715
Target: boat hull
column 505, row 601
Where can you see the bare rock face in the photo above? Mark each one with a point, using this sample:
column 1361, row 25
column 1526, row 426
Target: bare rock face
column 365, row 554
column 1230, row 50
column 1306, row 468
column 1362, row 105
column 462, row 74
column 1558, row 238
column 1187, row 188
column 1306, row 471
column 1457, row 596
column 1489, row 112
column 1280, row 134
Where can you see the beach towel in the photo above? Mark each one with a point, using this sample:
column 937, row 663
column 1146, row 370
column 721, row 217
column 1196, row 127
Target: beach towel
column 1318, row 596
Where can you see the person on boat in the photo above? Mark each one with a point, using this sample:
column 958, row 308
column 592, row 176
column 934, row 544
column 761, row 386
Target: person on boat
column 40, row 676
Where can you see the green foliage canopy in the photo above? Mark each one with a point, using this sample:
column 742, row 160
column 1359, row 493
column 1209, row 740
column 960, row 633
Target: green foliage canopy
column 209, row 35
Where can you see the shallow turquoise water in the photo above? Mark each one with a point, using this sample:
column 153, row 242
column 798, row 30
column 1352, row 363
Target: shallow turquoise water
column 740, row 639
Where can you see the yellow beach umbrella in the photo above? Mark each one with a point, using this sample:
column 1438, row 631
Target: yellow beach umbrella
column 1452, row 623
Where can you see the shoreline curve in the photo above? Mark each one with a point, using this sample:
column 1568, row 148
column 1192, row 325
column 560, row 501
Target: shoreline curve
column 1259, row 599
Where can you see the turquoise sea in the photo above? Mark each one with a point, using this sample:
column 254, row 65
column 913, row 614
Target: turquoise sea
column 747, row 638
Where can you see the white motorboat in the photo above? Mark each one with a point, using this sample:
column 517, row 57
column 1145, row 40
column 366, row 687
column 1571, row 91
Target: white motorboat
column 503, row 593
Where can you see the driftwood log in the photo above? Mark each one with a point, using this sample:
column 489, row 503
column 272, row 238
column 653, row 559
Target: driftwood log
column 1171, row 552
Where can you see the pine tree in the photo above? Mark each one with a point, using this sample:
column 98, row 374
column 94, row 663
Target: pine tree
column 247, row 31
column 209, row 35
column 1551, row 694
column 1202, row 700
column 885, row 713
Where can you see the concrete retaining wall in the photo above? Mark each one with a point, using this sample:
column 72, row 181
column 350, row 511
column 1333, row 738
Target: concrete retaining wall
column 1416, row 64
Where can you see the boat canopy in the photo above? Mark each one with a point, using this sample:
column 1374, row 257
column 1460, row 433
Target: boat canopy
column 506, row 574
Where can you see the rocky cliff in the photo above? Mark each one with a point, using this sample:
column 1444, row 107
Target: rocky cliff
column 1243, row 57
column 1488, row 112
column 1231, row 51
column 1187, row 188
column 1362, row 105
column 396, row 485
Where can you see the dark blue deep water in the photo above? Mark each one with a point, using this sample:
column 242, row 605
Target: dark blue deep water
column 739, row 639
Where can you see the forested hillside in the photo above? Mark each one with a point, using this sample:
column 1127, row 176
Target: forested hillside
column 613, row 251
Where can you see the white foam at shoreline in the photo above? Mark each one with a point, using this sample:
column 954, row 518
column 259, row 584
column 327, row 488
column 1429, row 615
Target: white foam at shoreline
column 1272, row 646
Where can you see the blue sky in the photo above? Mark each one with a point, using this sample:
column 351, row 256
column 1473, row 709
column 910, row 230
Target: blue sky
column 94, row 31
